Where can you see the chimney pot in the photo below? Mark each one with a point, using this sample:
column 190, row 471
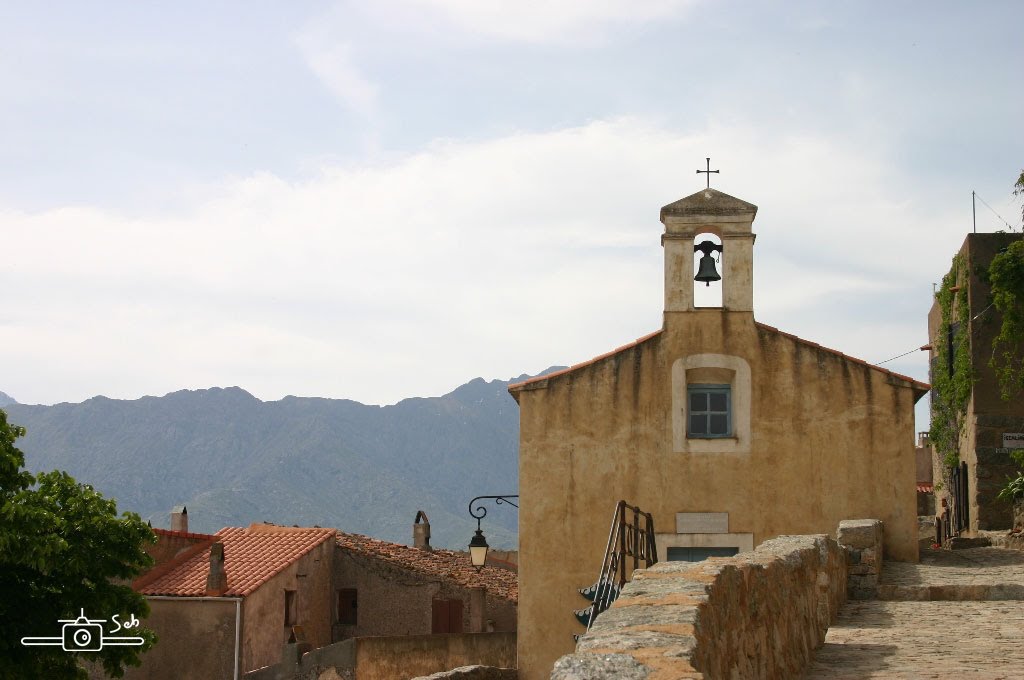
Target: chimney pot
column 179, row 518
column 217, row 581
column 421, row 531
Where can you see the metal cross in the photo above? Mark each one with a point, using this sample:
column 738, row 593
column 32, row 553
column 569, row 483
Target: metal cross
column 708, row 171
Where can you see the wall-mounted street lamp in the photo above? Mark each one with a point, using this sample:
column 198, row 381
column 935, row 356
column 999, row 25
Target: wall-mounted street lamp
column 478, row 544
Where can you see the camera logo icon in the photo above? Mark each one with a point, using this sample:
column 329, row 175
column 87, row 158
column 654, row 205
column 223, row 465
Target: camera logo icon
column 86, row 635
column 82, row 635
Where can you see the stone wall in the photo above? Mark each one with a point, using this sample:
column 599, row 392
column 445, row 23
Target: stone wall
column 756, row 615
column 473, row 673
column 862, row 541
column 402, row 656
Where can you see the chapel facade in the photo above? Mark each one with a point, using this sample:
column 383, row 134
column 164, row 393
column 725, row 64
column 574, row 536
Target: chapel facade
column 728, row 431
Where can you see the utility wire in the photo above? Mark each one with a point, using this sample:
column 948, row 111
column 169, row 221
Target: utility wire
column 916, row 349
column 993, row 211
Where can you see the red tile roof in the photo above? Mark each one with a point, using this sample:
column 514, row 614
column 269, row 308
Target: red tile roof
column 925, row 487
column 252, row 556
column 916, row 384
column 181, row 534
column 442, row 564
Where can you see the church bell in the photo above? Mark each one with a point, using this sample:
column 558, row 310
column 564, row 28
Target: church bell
column 707, row 272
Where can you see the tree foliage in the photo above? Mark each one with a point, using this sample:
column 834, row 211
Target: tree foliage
column 63, row 550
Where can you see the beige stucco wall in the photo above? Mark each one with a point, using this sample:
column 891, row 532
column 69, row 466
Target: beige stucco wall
column 263, row 629
column 830, row 439
column 387, row 658
column 196, row 640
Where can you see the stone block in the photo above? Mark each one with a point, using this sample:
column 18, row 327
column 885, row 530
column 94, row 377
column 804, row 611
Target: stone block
column 598, row 667
column 860, row 533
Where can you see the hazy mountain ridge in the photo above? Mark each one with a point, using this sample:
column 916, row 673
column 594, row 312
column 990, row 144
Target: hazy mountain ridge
column 233, row 459
column 6, row 399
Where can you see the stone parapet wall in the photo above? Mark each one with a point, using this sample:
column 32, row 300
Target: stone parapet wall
column 474, row 673
column 398, row 656
column 759, row 614
column 862, row 541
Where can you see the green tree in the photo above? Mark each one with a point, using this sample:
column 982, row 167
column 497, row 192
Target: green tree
column 1018, row 190
column 63, row 550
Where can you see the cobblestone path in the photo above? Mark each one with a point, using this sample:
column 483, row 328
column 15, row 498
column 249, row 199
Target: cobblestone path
column 916, row 637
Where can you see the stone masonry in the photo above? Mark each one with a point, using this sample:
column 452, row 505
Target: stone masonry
column 862, row 541
column 956, row 614
column 756, row 615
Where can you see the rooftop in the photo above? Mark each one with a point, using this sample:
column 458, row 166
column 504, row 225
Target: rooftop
column 252, row 556
column 443, row 564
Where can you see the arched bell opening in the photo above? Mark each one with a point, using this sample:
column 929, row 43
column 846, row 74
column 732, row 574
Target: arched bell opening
column 707, row 267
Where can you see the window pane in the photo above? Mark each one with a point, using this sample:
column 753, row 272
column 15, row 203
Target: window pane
column 717, row 401
column 698, row 401
column 719, row 424
column 698, row 424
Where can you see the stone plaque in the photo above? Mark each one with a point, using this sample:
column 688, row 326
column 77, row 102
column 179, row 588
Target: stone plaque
column 1013, row 440
column 702, row 522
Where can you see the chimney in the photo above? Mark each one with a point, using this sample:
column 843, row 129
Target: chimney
column 217, row 581
column 421, row 531
column 179, row 518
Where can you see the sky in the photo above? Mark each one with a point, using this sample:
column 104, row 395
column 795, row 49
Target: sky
column 382, row 200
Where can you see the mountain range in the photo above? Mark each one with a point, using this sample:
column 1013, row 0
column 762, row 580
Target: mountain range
column 233, row 459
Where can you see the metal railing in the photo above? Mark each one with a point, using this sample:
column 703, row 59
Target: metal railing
column 631, row 536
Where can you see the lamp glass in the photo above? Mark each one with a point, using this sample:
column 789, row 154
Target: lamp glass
column 478, row 549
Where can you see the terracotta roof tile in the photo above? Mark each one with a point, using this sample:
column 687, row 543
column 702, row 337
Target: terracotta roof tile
column 182, row 534
column 925, row 487
column 252, row 556
column 443, row 564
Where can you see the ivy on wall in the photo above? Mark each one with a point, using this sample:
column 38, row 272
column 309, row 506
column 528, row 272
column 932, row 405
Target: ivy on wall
column 1006, row 275
column 952, row 374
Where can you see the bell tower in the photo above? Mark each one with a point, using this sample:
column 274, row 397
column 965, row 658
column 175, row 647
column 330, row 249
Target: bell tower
column 709, row 211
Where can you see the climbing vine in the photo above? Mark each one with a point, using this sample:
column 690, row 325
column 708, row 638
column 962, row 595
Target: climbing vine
column 1006, row 275
column 951, row 389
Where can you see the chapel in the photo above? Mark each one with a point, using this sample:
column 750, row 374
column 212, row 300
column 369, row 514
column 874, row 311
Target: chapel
column 728, row 431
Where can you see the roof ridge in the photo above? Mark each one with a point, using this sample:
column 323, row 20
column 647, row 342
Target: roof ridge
column 183, row 534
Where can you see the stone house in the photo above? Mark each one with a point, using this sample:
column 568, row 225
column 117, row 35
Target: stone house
column 992, row 425
column 728, row 431
column 392, row 589
column 224, row 604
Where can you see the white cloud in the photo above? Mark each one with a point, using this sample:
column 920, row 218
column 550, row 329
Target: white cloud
column 537, row 21
column 332, row 59
column 405, row 278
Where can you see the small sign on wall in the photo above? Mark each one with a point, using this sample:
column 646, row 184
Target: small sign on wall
column 702, row 522
column 1013, row 440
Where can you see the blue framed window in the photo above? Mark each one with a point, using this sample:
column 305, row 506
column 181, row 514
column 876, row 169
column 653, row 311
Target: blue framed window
column 710, row 411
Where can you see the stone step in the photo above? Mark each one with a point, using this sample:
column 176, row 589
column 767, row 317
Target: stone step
column 951, row 592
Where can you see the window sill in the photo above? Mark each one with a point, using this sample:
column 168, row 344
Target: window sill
column 730, row 438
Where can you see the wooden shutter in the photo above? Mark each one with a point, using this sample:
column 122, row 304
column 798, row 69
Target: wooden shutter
column 446, row 616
